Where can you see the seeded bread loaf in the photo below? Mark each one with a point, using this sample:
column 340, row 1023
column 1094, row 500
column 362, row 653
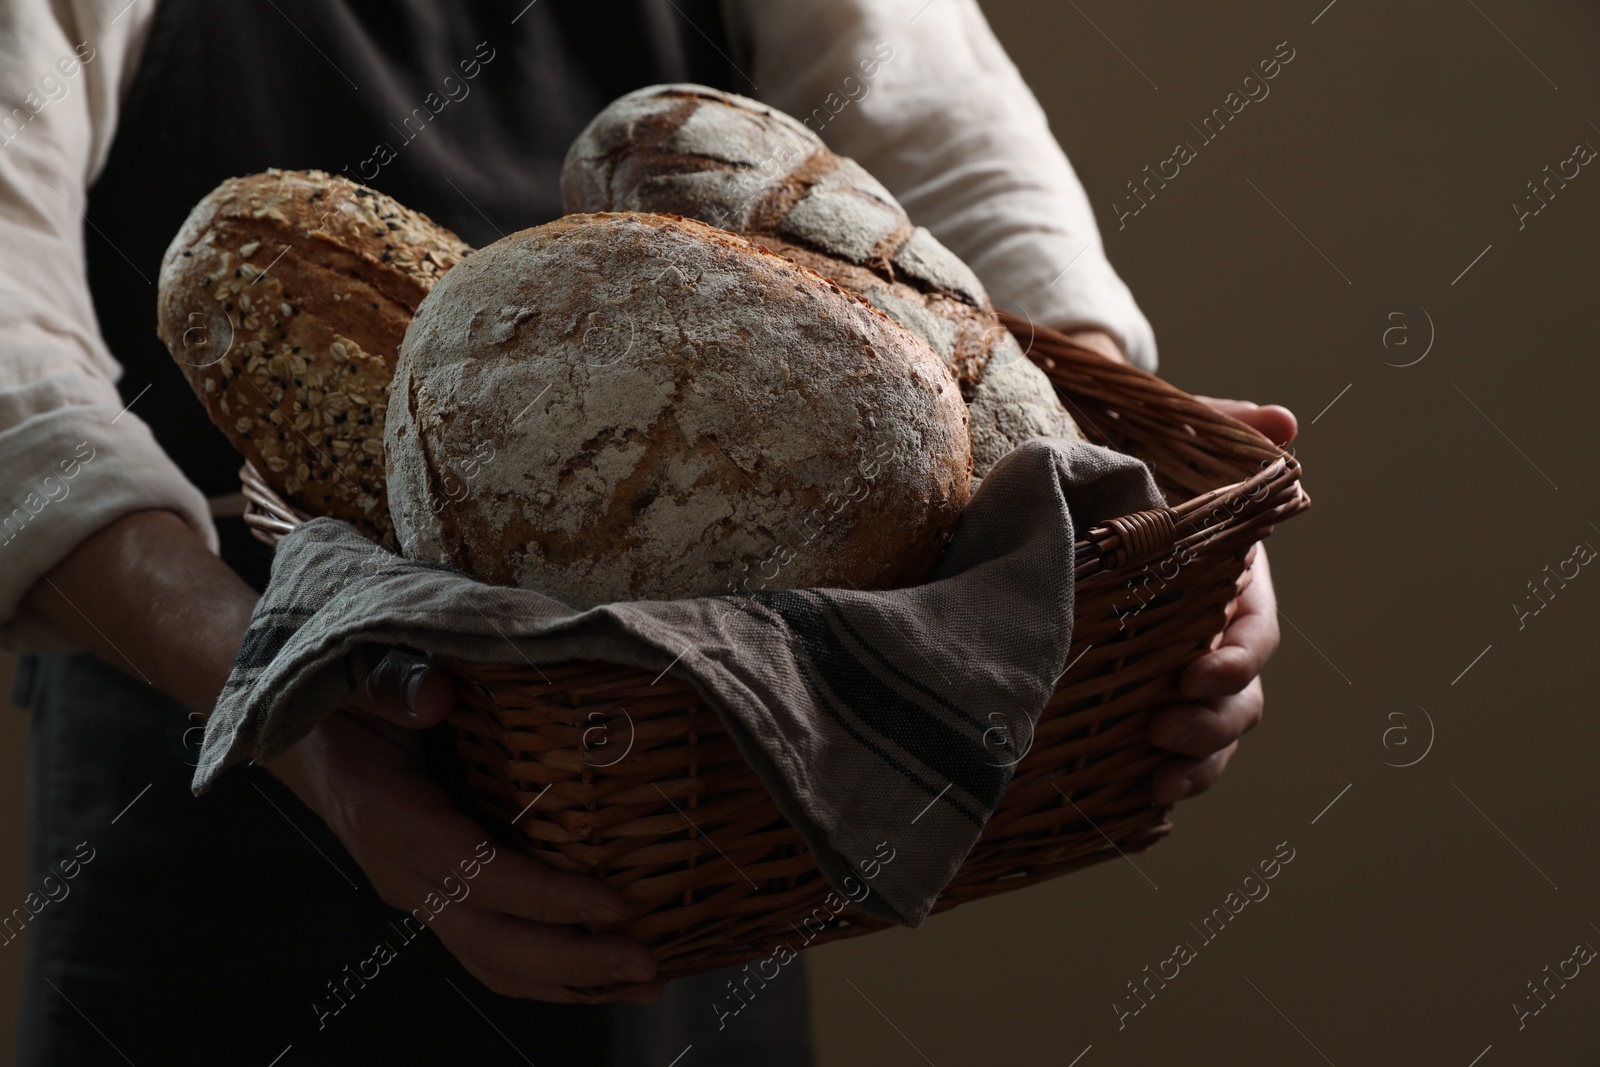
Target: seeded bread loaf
column 737, row 164
column 284, row 299
column 640, row 406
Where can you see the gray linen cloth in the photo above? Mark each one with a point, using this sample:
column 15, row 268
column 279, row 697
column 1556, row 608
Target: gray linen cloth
column 884, row 723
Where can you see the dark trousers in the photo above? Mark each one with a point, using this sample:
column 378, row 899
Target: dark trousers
column 166, row 928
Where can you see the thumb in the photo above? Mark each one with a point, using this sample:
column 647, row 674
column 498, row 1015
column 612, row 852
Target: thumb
column 1273, row 421
column 405, row 690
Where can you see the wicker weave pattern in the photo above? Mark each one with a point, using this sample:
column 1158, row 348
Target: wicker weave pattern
column 607, row 770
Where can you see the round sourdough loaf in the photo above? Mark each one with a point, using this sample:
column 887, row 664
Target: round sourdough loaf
column 284, row 298
column 639, row 406
column 738, row 164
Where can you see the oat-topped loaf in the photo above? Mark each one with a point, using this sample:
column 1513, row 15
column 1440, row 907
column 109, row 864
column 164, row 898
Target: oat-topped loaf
column 738, row 164
column 639, row 406
column 284, row 298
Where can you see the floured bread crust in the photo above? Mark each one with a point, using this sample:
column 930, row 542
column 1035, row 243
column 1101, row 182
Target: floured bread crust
column 1015, row 402
column 740, row 165
column 284, row 299
column 640, row 406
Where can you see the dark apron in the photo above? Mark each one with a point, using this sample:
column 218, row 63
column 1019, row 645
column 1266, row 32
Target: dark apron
column 203, row 930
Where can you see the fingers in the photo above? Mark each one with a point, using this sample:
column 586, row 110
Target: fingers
column 515, row 957
column 493, row 908
column 1277, row 423
column 1250, row 639
column 1202, row 729
column 522, row 886
column 1246, row 645
column 518, row 958
column 1248, row 578
column 1226, row 693
column 1224, row 686
column 413, row 825
column 404, row 690
column 506, row 915
column 1274, row 422
column 1180, row 778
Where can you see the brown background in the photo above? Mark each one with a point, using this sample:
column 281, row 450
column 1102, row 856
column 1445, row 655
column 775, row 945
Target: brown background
column 1407, row 924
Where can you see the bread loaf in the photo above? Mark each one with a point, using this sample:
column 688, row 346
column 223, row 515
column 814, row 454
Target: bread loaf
column 284, row 299
column 735, row 163
column 643, row 406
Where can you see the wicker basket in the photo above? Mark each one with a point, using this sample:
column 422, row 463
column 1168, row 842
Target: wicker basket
column 681, row 825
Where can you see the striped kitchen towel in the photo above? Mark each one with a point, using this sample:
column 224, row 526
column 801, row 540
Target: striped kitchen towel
column 883, row 716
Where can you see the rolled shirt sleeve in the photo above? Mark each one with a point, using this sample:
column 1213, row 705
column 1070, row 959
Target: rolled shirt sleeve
column 72, row 460
column 924, row 97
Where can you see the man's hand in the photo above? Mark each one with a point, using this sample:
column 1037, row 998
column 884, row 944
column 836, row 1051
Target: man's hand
column 146, row 595
column 362, row 769
column 1223, row 687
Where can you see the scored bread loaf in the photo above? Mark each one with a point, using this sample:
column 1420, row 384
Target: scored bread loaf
column 284, row 298
column 641, row 406
column 738, row 164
